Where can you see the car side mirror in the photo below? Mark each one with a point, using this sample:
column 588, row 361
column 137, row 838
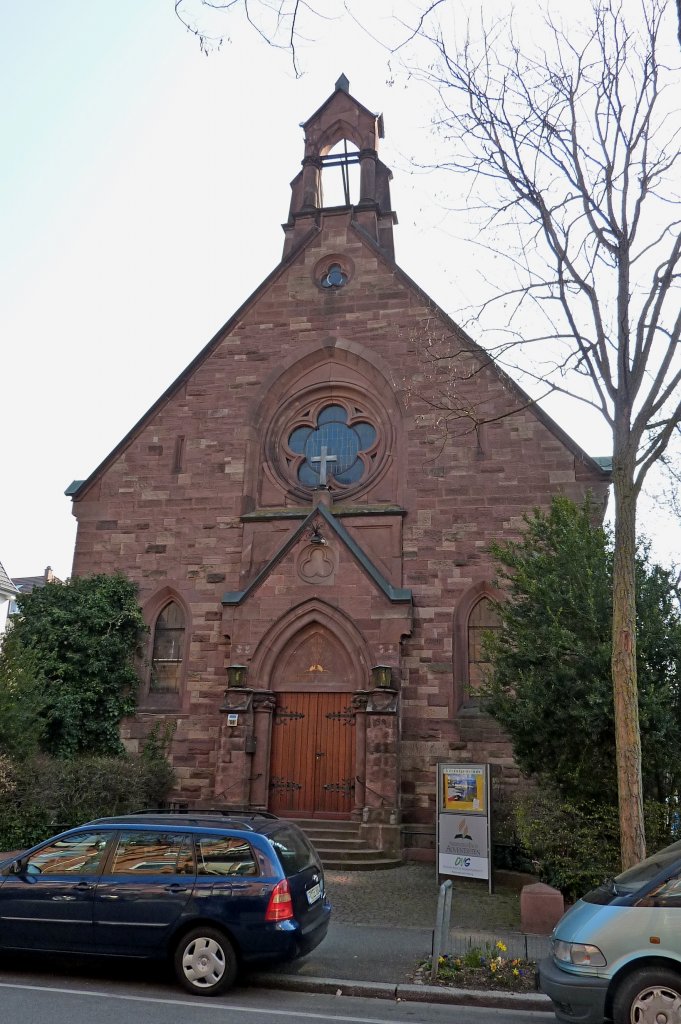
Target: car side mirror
column 16, row 867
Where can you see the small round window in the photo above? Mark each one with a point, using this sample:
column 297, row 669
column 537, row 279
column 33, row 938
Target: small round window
column 336, row 447
column 334, row 277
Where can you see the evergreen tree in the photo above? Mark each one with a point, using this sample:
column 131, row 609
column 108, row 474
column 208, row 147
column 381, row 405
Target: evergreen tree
column 550, row 685
column 68, row 662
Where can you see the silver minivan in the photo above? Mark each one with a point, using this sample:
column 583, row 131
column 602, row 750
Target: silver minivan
column 616, row 954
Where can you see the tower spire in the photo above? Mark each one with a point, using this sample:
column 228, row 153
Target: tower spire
column 342, row 118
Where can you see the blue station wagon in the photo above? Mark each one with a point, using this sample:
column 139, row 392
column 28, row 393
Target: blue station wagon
column 208, row 892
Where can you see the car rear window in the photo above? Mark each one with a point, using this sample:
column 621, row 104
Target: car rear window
column 293, row 850
column 225, row 855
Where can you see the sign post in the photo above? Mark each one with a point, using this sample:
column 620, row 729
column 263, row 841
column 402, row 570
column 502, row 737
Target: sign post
column 464, row 841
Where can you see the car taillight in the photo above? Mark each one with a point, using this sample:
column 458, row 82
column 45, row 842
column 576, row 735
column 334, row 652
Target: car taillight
column 280, row 907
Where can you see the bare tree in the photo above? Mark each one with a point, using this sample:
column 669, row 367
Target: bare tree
column 277, row 22
column 290, row 25
column 573, row 153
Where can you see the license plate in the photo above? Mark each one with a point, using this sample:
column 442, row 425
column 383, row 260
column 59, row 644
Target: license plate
column 313, row 894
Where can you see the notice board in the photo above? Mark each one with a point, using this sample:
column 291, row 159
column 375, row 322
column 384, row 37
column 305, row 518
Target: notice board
column 464, row 846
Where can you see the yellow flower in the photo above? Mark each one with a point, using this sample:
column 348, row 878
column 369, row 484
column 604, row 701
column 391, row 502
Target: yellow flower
column 501, row 946
column 516, row 971
column 493, row 965
column 441, row 960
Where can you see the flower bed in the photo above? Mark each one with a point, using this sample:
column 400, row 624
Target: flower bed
column 481, row 967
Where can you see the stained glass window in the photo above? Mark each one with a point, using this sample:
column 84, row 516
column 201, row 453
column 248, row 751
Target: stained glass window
column 484, row 618
column 334, row 277
column 332, row 449
column 166, row 661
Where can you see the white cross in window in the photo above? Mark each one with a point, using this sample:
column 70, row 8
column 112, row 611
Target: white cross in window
column 323, row 458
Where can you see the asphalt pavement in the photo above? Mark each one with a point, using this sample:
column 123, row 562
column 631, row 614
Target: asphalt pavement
column 382, row 927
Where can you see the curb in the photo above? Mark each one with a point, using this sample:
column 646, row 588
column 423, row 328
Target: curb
column 408, row 993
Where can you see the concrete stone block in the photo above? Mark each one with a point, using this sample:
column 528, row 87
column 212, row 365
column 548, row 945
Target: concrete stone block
column 541, row 907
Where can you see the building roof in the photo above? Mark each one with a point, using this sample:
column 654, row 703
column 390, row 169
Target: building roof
column 7, row 587
column 78, row 488
column 25, row 584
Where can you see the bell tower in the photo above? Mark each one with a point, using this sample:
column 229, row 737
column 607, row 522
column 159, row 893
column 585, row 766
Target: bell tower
column 342, row 119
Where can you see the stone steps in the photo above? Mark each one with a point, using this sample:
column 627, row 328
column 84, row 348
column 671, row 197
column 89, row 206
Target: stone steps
column 341, row 848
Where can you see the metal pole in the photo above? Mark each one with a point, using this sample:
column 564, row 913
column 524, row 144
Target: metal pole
column 442, row 920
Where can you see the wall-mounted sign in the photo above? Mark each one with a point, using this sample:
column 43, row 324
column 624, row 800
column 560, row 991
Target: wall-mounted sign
column 463, row 821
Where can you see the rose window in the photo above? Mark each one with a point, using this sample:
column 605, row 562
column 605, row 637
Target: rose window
column 335, row 448
column 334, row 277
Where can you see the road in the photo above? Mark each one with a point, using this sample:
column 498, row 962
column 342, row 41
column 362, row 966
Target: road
column 33, row 994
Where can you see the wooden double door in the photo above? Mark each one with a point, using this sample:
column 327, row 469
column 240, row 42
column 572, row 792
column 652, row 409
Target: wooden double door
column 312, row 767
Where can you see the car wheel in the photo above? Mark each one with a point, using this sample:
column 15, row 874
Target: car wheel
column 649, row 996
column 205, row 962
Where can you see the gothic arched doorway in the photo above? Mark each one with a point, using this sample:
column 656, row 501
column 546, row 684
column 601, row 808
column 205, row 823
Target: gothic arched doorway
column 312, row 763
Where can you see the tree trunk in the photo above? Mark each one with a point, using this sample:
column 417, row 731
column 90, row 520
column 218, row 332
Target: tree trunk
column 625, row 687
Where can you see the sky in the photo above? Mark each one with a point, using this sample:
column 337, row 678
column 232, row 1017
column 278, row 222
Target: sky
column 142, row 190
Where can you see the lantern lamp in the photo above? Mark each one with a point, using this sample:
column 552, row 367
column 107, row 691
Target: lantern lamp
column 381, row 676
column 236, row 675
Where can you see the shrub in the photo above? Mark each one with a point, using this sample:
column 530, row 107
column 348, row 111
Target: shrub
column 8, row 780
column 575, row 846
column 51, row 794
column 158, row 776
column 21, row 703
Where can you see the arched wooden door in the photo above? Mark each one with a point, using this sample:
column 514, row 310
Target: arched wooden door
column 312, row 766
column 313, row 755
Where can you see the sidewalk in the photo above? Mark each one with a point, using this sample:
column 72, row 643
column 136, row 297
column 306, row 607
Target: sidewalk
column 382, row 925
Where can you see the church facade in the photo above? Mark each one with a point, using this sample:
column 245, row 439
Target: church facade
column 310, row 547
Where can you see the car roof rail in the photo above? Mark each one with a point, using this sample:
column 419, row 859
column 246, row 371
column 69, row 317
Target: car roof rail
column 161, row 818
column 222, row 812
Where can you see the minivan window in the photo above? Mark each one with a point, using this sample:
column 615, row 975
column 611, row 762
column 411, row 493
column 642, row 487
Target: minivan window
column 632, row 879
column 294, row 852
column 668, row 894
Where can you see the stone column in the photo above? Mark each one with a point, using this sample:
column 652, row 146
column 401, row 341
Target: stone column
column 264, row 703
column 312, row 169
column 367, row 176
column 359, row 704
column 382, row 781
column 234, row 768
column 380, row 821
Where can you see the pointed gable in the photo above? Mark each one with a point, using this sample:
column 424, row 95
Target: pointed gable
column 397, row 595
